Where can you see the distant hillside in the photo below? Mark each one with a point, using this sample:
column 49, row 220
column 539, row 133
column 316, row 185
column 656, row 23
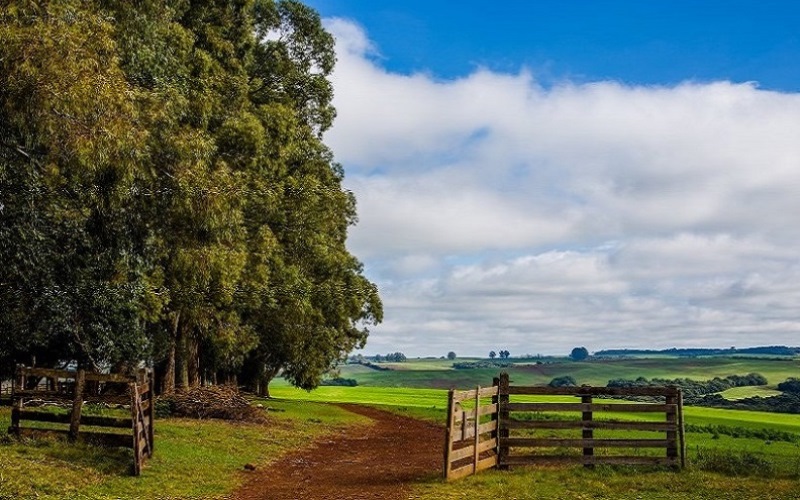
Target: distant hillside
column 778, row 350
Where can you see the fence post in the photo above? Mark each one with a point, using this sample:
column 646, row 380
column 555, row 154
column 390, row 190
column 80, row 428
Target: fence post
column 476, row 441
column 672, row 434
column 588, row 432
column 151, row 415
column 77, row 405
column 448, row 440
column 502, row 401
column 681, row 429
column 495, row 417
column 18, row 384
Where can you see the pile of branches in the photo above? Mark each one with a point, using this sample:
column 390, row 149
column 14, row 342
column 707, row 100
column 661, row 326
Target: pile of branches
column 221, row 401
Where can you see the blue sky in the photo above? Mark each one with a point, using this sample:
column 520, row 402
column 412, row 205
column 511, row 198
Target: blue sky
column 533, row 176
column 638, row 42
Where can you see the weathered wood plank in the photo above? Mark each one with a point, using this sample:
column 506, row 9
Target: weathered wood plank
column 486, row 463
column 577, row 424
column 594, row 459
column 460, row 472
column 585, row 443
column 67, row 374
column 592, row 391
column 65, row 418
column 487, row 409
column 580, row 407
column 487, row 427
column 97, row 438
column 461, row 453
column 470, row 450
column 483, row 392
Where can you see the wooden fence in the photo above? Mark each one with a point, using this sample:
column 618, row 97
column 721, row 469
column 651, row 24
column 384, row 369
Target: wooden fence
column 532, row 432
column 42, row 385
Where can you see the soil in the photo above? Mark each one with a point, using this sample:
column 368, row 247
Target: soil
column 362, row 462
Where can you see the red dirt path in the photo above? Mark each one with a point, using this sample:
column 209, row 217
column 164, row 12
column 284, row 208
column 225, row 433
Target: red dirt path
column 378, row 461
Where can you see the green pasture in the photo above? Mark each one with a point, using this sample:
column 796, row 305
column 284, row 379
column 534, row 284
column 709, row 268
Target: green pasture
column 439, row 374
column 436, row 401
column 762, row 391
column 193, row 458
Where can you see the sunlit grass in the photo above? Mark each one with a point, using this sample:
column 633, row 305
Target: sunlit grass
column 762, row 391
column 192, row 459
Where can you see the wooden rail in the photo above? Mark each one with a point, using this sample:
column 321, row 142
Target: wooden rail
column 67, row 387
column 533, row 432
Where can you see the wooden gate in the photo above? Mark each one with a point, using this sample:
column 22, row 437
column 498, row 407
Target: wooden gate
column 525, row 430
column 471, row 440
column 77, row 388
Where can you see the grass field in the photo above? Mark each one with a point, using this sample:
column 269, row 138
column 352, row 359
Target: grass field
column 762, row 391
column 193, row 459
column 714, row 431
column 427, row 373
column 732, row 454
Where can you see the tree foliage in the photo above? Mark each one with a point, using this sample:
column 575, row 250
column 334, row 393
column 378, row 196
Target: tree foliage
column 166, row 196
column 579, row 354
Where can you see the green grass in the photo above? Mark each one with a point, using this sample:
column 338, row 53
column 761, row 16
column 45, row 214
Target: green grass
column 192, row 459
column 439, row 374
column 762, row 391
column 605, row 483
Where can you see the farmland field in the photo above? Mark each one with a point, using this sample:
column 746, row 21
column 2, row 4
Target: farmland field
column 426, row 373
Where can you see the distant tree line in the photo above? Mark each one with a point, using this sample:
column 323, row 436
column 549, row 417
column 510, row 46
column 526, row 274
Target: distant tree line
column 693, row 389
column 787, row 402
column 392, row 357
column 473, row 365
column 694, row 352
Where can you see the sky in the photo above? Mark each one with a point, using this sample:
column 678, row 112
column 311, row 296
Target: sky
column 535, row 176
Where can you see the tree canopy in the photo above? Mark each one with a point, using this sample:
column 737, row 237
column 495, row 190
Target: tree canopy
column 166, row 196
column 579, row 354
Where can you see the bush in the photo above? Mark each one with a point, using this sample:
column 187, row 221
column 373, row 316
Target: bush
column 790, row 385
column 342, row 382
column 579, row 354
column 565, row 381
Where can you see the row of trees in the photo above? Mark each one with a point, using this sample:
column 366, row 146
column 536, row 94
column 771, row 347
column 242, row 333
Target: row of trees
column 166, row 196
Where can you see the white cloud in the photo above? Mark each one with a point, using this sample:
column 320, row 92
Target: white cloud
column 497, row 213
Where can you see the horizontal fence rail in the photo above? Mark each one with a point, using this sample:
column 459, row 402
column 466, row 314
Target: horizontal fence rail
column 516, row 432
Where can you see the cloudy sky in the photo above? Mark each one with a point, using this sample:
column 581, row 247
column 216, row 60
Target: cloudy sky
column 533, row 176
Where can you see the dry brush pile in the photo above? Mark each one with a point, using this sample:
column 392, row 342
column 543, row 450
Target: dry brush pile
column 222, row 401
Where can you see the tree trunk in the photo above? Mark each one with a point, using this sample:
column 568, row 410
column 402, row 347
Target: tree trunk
column 193, row 360
column 263, row 383
column 168, row 377
column 182, row 359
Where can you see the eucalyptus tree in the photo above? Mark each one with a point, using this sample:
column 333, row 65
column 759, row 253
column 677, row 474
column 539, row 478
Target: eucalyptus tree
column 73, row 280
column 165, row 193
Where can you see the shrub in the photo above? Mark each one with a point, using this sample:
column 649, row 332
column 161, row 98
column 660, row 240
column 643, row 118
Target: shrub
column 791, row 384
column 342, row 382
column 565, row 381
column 733, row 463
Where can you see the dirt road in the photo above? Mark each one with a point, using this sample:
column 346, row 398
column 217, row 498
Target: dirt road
column 372, row 462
